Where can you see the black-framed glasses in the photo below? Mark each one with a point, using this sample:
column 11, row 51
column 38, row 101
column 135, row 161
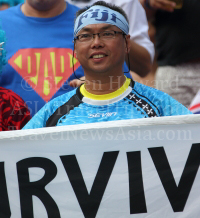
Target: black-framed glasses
column 105, row 35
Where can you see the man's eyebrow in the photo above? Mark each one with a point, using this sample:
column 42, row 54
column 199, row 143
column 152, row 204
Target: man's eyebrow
column 87, row 29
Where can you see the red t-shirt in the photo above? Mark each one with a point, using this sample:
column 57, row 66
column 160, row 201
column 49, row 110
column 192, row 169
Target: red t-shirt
column 14, row 113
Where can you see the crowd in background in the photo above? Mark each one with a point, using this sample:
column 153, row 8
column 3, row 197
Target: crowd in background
column 174, row 32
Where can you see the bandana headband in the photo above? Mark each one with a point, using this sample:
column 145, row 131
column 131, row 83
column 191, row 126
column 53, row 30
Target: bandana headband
column 99, row 14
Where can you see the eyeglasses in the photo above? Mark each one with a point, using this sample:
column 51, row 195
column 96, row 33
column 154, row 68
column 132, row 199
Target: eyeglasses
column 106, row 35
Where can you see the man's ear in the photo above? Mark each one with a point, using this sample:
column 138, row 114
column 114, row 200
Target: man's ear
column 128, row 44
column 75, row 52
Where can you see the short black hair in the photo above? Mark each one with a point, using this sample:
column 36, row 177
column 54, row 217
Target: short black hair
column 103, row 3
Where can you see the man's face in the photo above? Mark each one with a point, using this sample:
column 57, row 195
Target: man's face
column 43, row 5
column 101, row 56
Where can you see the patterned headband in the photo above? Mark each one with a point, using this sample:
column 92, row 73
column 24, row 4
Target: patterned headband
column 100, row 14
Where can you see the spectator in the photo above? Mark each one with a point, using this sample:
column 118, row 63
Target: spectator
column 101, row 46
column 14, row 113
column 177, row 46
column 40, row 50
column 142, row 49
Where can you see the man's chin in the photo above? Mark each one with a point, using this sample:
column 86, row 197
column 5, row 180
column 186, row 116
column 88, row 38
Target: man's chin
column 42, row 5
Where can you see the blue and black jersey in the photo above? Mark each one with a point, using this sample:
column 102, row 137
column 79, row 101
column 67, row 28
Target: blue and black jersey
column 132, row 101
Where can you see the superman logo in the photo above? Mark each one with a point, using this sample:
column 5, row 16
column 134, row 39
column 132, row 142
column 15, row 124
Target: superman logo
column 45, row 69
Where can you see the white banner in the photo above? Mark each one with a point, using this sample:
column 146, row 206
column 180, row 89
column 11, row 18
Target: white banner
column 134, row 168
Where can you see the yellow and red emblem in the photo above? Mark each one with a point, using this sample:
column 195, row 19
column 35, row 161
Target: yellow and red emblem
column 44, row 69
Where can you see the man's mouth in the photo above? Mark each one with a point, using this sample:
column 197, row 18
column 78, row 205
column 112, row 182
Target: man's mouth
column 98, row 56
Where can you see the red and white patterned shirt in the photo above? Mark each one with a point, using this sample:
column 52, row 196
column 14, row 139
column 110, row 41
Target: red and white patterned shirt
column 14, row 113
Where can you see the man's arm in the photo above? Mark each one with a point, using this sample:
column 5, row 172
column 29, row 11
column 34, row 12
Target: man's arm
column 142, row 49
column 140, row 59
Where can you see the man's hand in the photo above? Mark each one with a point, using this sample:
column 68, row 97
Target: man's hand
column 162, row 5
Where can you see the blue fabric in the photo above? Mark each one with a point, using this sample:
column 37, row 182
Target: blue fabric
column 27, row 33
column 99, row 14
column 2, row 50
column 162, row 103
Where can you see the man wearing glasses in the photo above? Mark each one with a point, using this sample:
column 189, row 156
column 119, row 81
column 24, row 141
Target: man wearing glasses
column 101, row 43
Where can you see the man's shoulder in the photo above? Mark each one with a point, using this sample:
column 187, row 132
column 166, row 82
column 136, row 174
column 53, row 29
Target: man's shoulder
column 72, row 7
column 62, row 99
column 148, row 92
column 7, row 94
column 40, row 119
column 165, row 104
column 70, row 12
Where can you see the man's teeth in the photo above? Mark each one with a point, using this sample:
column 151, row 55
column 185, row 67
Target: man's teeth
column 98, row 56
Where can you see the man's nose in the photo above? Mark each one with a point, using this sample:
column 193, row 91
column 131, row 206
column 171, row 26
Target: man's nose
column 96, row 40
column 96, row 36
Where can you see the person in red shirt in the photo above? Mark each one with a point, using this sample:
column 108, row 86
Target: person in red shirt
column 14, row 113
